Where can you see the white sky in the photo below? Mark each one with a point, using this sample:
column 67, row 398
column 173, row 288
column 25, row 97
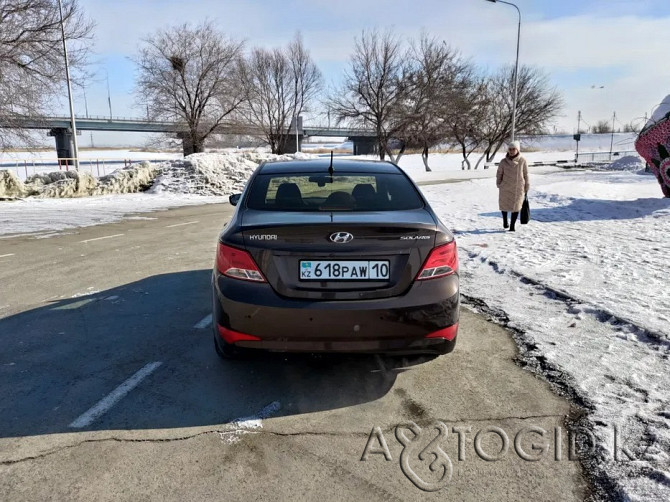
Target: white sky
column 582, row 45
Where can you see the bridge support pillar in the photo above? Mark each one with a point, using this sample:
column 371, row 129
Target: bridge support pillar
column 289, row 143
column 365, row 145
column 64, row 144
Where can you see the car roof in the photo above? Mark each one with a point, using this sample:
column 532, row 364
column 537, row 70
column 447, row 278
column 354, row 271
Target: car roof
column 321, row 165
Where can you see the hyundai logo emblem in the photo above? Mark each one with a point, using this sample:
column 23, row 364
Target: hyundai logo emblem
column 341, row 237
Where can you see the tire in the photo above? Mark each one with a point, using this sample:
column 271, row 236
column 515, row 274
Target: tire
column 447, row 347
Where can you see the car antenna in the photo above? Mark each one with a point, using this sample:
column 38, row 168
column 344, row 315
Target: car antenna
column 330, row 167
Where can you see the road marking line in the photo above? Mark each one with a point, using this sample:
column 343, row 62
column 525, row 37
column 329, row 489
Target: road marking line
column 245, row 425
column 75, row 305
column 106, row 403
column 204, row 323
column 100, row 238
column 380, row 363
column 254, row 421
column 181, row 224
column 6, row 255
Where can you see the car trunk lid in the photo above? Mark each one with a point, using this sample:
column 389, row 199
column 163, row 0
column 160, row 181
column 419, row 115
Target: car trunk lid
column 284, row 243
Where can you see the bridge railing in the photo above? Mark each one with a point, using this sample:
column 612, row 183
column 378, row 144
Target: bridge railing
column 107, row 118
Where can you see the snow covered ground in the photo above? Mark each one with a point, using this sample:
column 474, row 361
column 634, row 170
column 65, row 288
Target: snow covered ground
column 584, row 285
column 47, row 217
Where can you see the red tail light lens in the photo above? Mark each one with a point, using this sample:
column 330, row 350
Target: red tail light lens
column 442, row 261
column 231, row 336
column 237, row 264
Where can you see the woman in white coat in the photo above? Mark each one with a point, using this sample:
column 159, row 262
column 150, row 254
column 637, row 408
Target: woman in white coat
column 512, row 182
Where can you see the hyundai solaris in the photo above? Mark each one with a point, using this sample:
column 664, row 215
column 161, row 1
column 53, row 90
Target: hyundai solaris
column 334, row 256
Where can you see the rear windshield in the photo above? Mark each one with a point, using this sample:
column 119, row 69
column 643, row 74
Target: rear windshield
column 341, row 192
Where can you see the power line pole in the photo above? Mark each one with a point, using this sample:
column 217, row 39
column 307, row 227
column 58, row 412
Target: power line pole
column 612, row 141
column 109, row 96
column 577, row 136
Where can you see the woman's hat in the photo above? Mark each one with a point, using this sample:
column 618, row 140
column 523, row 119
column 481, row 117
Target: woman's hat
column 514, row 144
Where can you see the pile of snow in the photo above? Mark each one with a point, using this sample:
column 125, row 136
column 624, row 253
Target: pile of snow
column 11, row 186
column 68, row 184
column 627, row 163
column 212, row 173
column 72, row 184
column 132, row 179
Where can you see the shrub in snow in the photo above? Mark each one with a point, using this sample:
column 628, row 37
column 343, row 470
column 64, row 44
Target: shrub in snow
column 10, row 185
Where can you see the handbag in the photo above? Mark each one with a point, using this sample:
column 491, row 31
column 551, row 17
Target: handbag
column 525, row 211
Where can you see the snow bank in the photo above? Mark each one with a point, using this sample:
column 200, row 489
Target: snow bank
column 133, row 179
column 10, row 185
column 212, row 173
column 203, row 174
column 627, row 163
column 67, row 184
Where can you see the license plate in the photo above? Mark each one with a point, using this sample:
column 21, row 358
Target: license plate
column 360, row 270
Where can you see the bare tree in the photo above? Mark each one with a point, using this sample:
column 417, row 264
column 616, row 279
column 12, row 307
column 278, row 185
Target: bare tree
column 32, row 67
column 470, row 112
column 190, row 74
column 435, row 95
column 373, row 91
column 537, row 105
column 602, row 127
column 632, row 126
column 280, row 84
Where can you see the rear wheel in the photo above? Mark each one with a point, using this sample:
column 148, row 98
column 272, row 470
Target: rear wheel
column 447, row 347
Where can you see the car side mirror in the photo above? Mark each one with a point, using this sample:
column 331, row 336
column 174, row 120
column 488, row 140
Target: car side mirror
column 234, row 199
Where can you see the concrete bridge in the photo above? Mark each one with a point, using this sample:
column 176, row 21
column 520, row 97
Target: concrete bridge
column 364, row 140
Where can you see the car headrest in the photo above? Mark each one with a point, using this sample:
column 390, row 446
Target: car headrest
column 288, row 194
column 339, row 200
column 363, row 191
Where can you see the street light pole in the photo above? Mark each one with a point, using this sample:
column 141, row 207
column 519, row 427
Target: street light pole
column 516, row 66
column 297, row 140
column 109, row 96
column 85, row 100
column 69, row 90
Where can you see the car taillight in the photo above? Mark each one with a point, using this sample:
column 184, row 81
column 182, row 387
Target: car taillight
column 442, row 261
column 237, row 264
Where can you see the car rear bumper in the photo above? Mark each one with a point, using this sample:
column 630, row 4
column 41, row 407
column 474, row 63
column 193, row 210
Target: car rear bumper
column 425, row 319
